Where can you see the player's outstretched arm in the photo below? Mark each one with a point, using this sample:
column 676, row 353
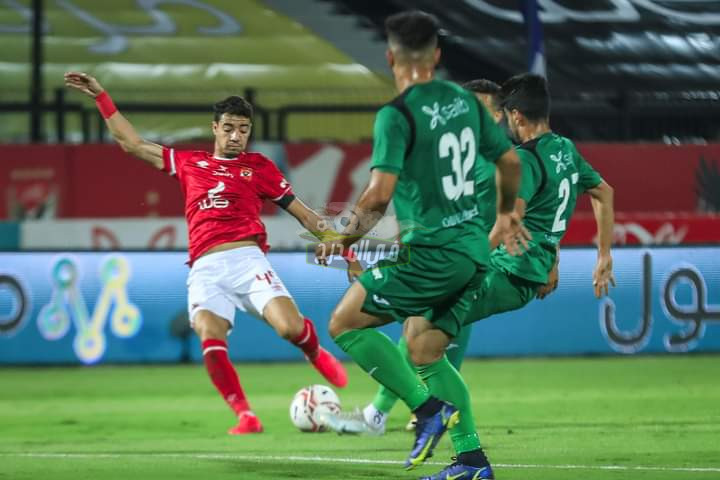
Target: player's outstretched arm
column 371, row 205
column 602, row 203
column 312, row 222
column 508, row 225
column 370, row 208
column 308, row 218
column 118, row 126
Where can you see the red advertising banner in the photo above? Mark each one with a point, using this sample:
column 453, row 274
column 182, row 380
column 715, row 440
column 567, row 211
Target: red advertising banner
column 101, row 181
column 34, row 182
column 107, row 182
column 655, row 177
column 82, row 181
column 648, row 229
column 645, row 177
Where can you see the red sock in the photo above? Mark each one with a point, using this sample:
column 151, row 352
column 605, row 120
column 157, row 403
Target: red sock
column 223, row 374
column 307, row 341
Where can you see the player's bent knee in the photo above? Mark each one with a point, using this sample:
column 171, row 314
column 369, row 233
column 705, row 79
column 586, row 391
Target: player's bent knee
column 283, row 316
column 424, row 349
column 417, row 356
column 209, row 326
column 339, row 324
column 289, row 329
column 348, row 313
column 424, row 357
column 335, row 326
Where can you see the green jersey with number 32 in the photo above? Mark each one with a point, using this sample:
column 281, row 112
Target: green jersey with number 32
column 553, row 175
column 432, row 136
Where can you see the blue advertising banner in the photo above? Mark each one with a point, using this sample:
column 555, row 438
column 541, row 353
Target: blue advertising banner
column 91, row 307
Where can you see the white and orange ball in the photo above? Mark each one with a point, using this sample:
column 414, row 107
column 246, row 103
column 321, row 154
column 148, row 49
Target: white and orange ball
column 309, row 405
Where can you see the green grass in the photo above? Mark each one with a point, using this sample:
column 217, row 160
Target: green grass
column 533, row 416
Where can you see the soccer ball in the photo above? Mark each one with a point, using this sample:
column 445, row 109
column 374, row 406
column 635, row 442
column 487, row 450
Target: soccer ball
column 309, row 404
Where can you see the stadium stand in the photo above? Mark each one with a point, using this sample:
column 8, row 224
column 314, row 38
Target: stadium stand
column 190, row 53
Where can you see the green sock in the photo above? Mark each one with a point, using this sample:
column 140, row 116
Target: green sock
column 384, row 399
column 456, row 354
column 446, row 384
column 378, row 355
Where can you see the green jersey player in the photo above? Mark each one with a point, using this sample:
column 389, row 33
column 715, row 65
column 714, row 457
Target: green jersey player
column 553, row 174
column 513, row 281
column 426, row 144
column 373, row 417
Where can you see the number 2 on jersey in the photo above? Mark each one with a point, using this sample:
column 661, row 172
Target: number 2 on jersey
column 457, row 184
column 564, row 194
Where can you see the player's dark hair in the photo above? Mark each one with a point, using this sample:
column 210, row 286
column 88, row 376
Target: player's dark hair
column 486, row 87
column 233, row 105
column 528, row 94
column 413, row 30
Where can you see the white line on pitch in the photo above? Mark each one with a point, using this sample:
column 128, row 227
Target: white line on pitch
column 367, row 461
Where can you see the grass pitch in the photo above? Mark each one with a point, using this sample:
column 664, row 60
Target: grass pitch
column 636, row 418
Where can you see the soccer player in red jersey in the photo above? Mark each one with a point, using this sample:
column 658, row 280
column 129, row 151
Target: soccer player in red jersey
column 224, row 192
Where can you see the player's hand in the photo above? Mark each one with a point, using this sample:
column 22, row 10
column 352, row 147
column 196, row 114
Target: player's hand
column 603, row 276
column 84, row 83
column 327, row 249
column 552, row 283
column 512, row 232
column 354, row 270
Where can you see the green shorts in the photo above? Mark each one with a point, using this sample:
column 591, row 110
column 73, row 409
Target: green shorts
column 422, row 281
column 497, row 292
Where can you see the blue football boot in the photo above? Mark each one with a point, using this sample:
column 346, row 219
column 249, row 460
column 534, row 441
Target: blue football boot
column 458, row 471
column 428, row 432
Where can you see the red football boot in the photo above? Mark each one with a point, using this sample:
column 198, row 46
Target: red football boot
column 330, row 368
column 247, row 423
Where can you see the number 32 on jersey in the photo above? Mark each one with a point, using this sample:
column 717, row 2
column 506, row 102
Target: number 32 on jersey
column 461, row 152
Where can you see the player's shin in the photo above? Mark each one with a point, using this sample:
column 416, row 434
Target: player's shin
column 323, row 361
column 380, row 357
column 385, row 399
column 223, row 375
column 445, row 383
column 307, row 341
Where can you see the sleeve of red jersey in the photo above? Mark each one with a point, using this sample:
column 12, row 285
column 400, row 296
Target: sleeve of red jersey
column 173, row 160
column 274, row 186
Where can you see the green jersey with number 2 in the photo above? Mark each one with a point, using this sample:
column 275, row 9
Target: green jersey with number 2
column 432, row 137
column 553, row 175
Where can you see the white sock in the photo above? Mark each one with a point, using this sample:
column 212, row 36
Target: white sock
column 374, row 417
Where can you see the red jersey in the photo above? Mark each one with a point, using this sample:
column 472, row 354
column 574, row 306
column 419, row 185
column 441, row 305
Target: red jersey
column 223, row 197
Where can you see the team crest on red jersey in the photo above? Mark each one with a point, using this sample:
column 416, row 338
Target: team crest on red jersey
column 246, row 173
